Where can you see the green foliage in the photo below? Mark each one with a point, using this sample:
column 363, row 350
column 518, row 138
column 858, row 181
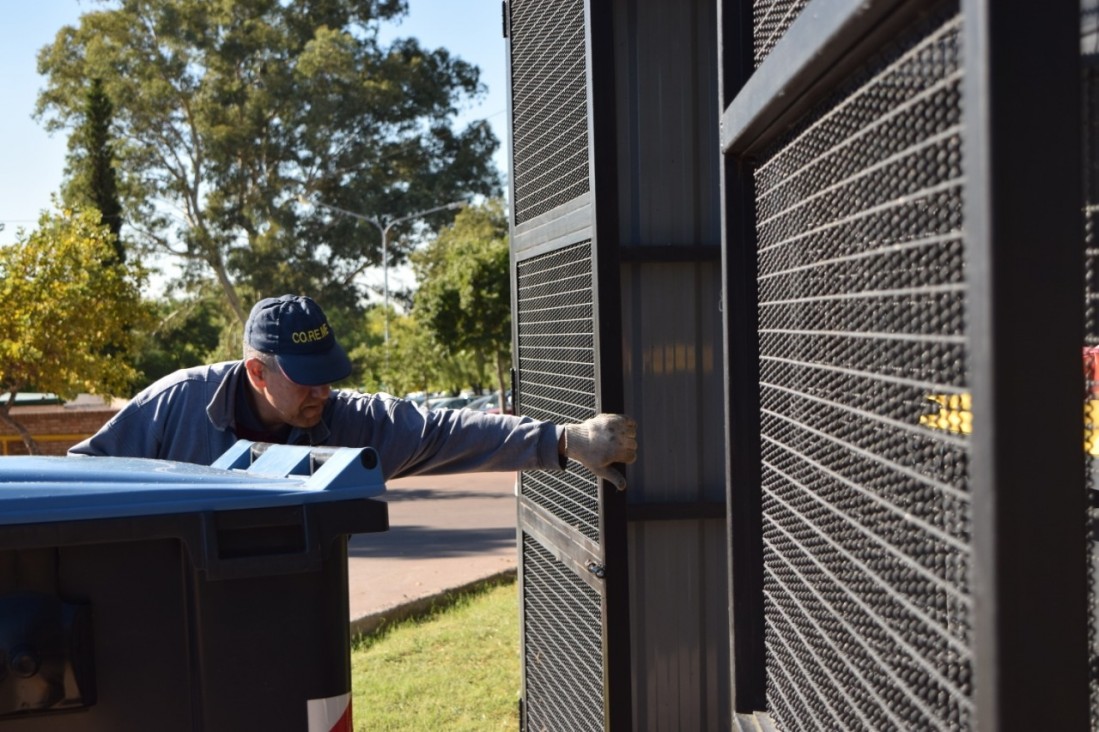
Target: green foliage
column 456, row 670
column 368, row 355
column 353, row 330
column 412, row 362
column 232, row 109
column 186, row 332
column 464, row 297
column 70, row 311
column 91, row 176
column 415, row 361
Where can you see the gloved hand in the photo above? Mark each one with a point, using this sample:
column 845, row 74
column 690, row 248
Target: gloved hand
column 600, row 441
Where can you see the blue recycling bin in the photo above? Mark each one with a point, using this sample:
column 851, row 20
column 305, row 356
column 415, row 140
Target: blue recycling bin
column 151, row 595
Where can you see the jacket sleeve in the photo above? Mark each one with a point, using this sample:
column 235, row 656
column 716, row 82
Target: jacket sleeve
column 415, row 441
column 129, row 433
column 166, row 421
column 169, row 419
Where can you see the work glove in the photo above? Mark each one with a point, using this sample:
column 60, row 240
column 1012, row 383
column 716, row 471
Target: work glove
column 600, row 441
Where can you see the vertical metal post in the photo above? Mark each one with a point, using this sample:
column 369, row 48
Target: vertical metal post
column 385, row 289
column 1024, row 237
column 742, row 461
column 383, row 229
column 607, row 299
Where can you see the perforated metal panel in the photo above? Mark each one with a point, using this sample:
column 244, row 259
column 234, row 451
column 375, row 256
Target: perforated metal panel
column 549, row 105
column 770, row 19
column 864, row 403
column 563, row 659
column 573, row 576
column 556, row 349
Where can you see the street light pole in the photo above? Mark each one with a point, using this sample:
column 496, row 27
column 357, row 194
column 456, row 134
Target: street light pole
column 385, row 249
column 383, row 229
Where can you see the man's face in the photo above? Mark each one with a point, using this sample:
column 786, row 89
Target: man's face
column 281, row 400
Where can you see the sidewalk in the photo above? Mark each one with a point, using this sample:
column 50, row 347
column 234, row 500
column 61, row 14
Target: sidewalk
column 445, row 533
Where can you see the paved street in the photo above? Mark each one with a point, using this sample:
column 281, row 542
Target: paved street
column 445, row 533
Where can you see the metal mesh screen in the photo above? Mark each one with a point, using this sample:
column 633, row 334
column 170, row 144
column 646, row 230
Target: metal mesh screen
column 549, row 105
column 770, row 20
column 864, row 408
column 562, row 641
column 556, row 348
column 1090, row 49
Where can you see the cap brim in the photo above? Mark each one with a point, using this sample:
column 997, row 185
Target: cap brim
column 316, row 369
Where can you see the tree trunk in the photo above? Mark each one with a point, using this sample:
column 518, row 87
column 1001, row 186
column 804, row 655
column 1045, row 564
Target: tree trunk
column 6, row 418
column 229, row 290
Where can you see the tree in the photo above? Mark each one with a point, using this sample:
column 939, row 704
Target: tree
column 231, row 111
column 410, row 365
column 91, row 177
column 414, row 361
column 464, row 295
column 186, row 332
column 70, row 312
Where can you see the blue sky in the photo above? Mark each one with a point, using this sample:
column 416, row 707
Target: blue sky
column 31, row 161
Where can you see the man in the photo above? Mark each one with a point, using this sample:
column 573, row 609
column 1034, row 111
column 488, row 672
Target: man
column 280, row 392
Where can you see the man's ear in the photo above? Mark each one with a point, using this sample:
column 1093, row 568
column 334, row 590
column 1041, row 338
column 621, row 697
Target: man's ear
column 255, row 369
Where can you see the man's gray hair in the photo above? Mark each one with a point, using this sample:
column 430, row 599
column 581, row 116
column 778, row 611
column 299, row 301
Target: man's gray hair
column 267, row 359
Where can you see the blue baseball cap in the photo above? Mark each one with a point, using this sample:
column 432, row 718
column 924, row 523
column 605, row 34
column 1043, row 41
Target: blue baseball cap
column 294, row 329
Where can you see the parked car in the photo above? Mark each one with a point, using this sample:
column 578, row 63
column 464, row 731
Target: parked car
column 480, row 404
column 490, row 403
column 448, row 403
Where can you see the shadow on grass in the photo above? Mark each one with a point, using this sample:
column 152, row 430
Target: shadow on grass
column 420, row 542
column 367, row 631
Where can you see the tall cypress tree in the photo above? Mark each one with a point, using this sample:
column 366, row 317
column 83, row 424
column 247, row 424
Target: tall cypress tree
column 91, row 170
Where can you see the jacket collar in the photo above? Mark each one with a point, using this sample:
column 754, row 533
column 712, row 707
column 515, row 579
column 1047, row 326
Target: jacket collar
column 221, row 409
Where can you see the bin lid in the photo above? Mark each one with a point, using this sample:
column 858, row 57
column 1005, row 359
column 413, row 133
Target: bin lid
column 37, row 489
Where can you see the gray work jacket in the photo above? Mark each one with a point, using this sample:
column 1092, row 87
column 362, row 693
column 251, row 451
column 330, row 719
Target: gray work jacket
column 189, row 416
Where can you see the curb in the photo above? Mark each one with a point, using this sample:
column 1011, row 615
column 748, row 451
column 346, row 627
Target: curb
column 421, row 607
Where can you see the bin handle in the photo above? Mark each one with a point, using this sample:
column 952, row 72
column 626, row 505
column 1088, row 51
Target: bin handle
column 320, row 467
column 270, row 553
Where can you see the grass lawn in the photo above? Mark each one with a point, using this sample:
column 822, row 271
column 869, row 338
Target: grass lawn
column 457, row 669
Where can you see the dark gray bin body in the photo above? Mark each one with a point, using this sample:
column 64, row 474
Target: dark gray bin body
column 147, row 595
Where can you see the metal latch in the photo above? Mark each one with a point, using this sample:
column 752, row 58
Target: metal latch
column 45, row 654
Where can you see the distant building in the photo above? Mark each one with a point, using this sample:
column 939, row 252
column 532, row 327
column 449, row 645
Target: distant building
column 54, row 424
